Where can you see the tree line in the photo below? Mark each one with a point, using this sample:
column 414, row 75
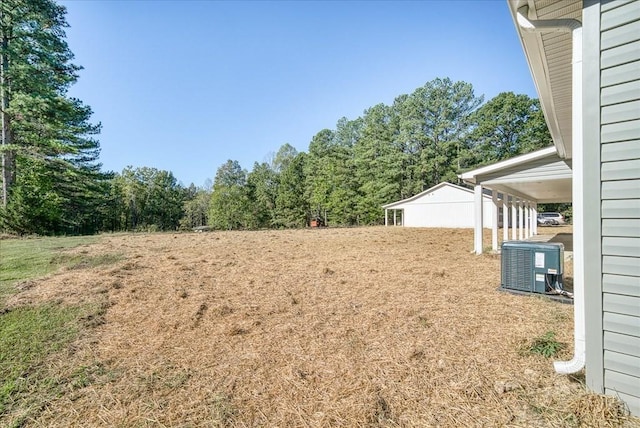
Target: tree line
column 391, row 152
column 53, row 183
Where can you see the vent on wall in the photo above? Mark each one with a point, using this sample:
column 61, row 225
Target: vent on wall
column 532, row 266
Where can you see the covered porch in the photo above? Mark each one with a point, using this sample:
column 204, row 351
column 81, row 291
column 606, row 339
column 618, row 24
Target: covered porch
column 517, row 186
column 559, row 234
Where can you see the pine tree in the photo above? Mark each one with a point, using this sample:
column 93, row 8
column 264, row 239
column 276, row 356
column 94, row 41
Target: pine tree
column 292, row 209
column 51, row 180
column 229, row 206
column 509, row 125
column 318, row 173
column 435, row 123
column 378, row 164
column 262, row 187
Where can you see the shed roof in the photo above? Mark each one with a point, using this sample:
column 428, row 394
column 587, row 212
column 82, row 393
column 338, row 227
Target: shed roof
column 429, row 190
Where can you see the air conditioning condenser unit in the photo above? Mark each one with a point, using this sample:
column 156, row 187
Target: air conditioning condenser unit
column 534, row 267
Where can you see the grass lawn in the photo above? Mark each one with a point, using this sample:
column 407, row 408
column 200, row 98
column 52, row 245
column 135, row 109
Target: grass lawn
column 34, row 335
column 22, row 259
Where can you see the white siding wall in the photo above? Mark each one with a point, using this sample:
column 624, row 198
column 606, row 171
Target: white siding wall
column 444, row 207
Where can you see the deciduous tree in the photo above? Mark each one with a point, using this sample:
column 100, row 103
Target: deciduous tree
column 195, row 208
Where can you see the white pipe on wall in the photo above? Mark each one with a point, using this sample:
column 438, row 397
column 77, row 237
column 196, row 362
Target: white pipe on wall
column 578, row 360
column 575, row 27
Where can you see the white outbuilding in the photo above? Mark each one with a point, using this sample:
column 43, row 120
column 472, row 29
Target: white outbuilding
column 443, row 205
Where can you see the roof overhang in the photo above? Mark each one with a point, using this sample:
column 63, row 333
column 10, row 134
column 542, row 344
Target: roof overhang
column 549, row 56
column 541, row 176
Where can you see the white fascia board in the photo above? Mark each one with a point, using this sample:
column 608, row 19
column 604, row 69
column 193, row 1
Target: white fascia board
column 471, row 176
column 417, row 195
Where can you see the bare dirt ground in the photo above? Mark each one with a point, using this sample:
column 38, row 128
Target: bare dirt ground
column 311, row 328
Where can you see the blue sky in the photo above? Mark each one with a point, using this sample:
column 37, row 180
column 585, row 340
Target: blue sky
column 185, row 85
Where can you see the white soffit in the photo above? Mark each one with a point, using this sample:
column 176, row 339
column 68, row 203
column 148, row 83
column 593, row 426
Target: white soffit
column 522, row 160
column 527, row 176
column 549, row 57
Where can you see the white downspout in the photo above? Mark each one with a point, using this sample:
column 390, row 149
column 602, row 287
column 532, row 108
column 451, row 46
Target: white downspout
column 578, row 361
column 575, row 27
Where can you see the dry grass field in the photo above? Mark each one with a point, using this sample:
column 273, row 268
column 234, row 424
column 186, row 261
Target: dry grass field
column 310, row 328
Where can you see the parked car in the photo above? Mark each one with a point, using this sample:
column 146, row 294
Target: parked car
column 550, row 219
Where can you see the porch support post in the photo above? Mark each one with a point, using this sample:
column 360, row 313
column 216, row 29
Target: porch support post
column 494, row 220
column 395, row 217
column 534, row 219
column 505, row 217
column 477, row 231
column 514, row 218
column 386, row 217
column 527, row 229
column 520, row 220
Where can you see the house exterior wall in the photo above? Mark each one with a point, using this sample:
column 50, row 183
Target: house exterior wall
column 446, row 206
column 612, row 197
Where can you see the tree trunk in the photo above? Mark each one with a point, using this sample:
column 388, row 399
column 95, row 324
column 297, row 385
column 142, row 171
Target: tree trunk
column 7, row 156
